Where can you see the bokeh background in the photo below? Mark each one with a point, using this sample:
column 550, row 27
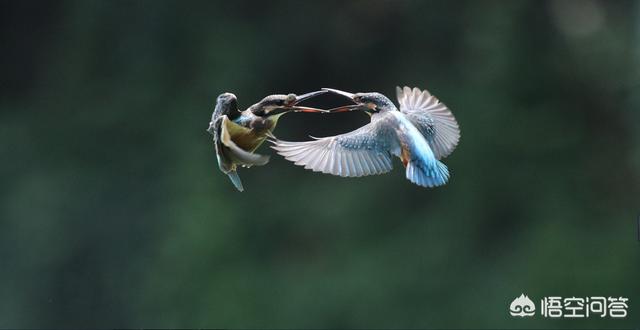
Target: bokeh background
column 113, row 212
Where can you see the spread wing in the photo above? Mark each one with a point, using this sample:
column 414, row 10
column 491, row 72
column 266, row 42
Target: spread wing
column 434, row 120
column 365, row 151
column 229, row 152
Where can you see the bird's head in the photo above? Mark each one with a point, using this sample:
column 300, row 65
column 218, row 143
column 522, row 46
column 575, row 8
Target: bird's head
column 226, row 104
column 279, row 104
column 370, row 102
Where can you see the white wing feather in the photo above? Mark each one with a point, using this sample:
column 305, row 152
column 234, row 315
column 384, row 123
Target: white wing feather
column 434, row 120
column 364, row 151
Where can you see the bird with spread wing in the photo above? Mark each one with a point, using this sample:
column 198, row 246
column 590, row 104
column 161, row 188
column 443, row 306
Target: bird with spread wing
column 421, row 133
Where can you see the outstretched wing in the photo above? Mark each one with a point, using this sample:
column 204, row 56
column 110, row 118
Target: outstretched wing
column 434, row 120
column 365, row 151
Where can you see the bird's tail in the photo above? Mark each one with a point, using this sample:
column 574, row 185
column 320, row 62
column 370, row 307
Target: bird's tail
column 235, row 179
column 425, row 170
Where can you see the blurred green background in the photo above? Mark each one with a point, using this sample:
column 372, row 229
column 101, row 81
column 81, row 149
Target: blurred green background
column 114, row 213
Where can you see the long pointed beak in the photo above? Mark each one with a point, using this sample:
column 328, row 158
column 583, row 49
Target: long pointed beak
column 305, row 109
column 300, row 98
column 293, row 107
column 339, row 92
column 345, row 108
column 307, row 96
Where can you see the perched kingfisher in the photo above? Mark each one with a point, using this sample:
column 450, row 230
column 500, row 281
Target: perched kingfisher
column 421, row 133
column 236, row 135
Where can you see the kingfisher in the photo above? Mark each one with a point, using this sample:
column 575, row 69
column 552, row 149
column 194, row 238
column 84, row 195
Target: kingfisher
column 236, row 135
column 420, row 133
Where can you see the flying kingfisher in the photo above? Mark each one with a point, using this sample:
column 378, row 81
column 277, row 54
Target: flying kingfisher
column 236, row 135
column 421, row 133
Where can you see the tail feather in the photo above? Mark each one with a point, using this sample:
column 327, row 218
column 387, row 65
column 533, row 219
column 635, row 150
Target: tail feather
column 235, row 179
column 430, row 174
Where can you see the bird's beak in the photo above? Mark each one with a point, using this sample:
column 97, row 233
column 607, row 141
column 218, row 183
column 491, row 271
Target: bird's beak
column 339, row 92
column 348, row 95
column 293, row 106
column 307, row 96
